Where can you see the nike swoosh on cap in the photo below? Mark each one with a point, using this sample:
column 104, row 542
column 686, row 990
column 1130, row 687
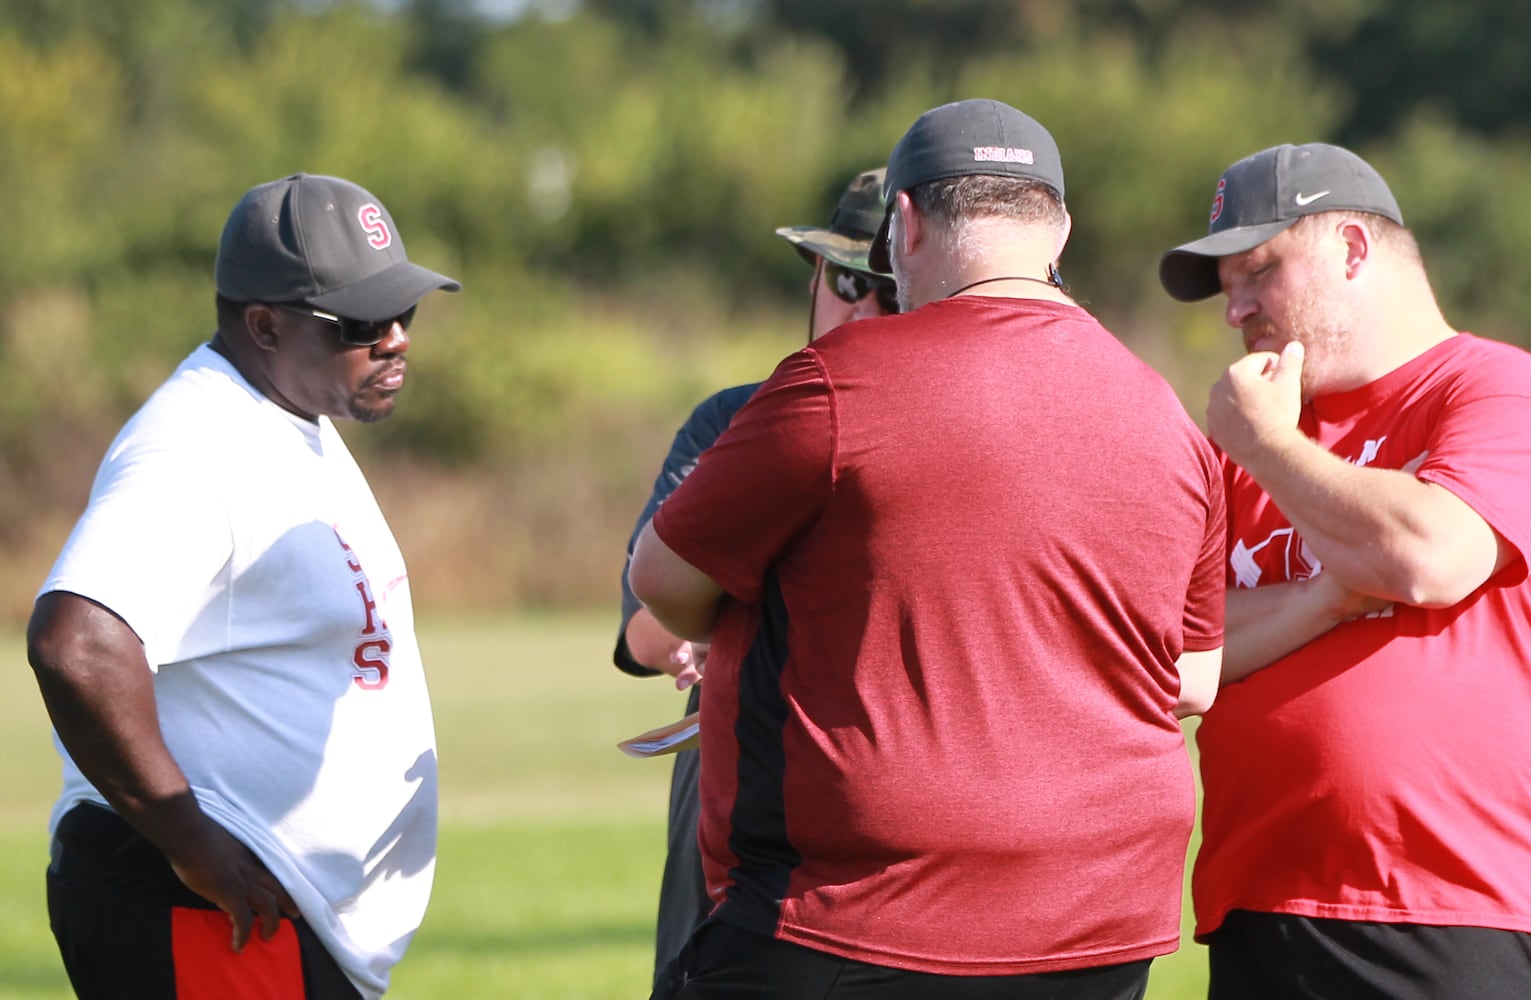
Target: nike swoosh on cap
column 1307, row 199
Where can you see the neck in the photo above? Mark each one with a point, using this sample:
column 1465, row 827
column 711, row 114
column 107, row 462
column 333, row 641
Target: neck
column 985, row 256
column 1388, row 329
column 1053, row 280
column 253, row 371
column 1017, row 286
column 220, row 344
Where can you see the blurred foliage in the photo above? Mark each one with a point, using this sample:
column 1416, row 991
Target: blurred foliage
column 604, row 177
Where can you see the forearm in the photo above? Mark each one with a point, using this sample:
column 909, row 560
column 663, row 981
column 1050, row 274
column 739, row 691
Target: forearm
column 692, row 621
column 1264, row 624
column 1380, row 532
column 651, row 644
column 684, row 600
column 126, row 761
column 99, row 692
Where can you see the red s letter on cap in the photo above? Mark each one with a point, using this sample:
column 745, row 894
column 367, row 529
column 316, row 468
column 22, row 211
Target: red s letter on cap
column 371, row 219
column 1217, row 200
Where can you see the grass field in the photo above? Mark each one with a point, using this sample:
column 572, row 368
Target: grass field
column 551, row 840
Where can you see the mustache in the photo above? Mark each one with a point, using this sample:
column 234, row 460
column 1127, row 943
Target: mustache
column 1256, row 329
column 400, row 367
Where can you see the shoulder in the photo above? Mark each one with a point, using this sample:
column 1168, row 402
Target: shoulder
column 201, row 417
column 1469, row 349
column 1481, row 366
column 205, row 382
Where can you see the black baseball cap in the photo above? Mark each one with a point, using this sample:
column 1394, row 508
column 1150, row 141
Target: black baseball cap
column 964, row 138
column 851, row 227
column 1263, row 195
column 324, row 241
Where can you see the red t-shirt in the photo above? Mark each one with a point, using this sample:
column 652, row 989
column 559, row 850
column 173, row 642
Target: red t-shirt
column 1382, row 772
column 964, row 548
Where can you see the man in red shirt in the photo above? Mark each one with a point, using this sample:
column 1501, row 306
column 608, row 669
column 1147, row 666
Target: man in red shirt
column 961, row 572
column 1367, row 820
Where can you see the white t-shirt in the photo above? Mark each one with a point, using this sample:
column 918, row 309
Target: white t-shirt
column 244, row 547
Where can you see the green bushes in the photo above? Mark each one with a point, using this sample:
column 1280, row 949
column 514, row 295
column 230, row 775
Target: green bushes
column 606, row 186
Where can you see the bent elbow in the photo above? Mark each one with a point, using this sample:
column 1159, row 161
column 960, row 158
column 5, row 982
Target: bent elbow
column 1440, row 584
column 646, row 576
column 641, row 581
column 1447, row 559
column 43, row 655
column 51, row 645
column 1436, row 598
column 670, row 602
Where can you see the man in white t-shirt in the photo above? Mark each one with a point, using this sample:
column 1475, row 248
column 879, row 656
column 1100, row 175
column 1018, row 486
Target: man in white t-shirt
column 226, row 643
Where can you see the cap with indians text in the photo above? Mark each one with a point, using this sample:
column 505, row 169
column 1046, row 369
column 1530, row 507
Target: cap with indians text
column 324, row 241
column 1263, row 195
column 851, row 227
column 964, row 138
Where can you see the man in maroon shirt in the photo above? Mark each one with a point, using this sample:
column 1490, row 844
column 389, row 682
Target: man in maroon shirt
column 961, row 571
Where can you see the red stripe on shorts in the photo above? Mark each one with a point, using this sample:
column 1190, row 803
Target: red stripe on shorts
column 206, row 968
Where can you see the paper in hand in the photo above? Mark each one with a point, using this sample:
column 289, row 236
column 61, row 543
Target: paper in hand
column 675, row 737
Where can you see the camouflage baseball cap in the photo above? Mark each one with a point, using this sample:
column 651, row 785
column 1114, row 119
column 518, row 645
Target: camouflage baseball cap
column 851, row 227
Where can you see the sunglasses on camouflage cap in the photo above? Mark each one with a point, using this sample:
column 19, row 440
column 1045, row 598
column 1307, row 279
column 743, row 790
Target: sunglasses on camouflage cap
column 851, row 286
column 356, row 332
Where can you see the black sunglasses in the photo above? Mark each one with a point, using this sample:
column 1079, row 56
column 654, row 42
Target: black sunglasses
column 851, row 286
column 356, row 332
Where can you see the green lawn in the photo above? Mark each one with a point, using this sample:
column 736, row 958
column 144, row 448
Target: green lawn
column 551, row 840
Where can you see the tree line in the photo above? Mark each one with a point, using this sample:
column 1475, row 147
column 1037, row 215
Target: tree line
column 605, row 176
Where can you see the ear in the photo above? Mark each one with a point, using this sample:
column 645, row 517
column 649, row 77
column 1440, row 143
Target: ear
column 260, row 326
column 1358, row 243
column 911, row 228
column 1064, row 231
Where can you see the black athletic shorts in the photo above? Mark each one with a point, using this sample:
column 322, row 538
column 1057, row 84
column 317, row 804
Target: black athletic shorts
column 1279, row 956
column 129, row 929
column 724, row 962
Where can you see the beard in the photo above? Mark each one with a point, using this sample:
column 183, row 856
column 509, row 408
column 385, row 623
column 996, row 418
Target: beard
column 371, row 414
column 369, row 406
column 1322, row 322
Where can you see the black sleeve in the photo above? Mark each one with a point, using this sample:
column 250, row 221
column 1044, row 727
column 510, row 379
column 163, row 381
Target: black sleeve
column 696, row 435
